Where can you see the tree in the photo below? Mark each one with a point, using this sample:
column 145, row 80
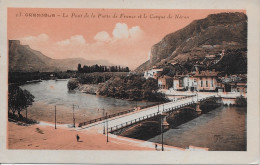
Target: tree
column 72, row 84
column 79, row 67
column 168, row 70
column 19, row 99
column 241, row 101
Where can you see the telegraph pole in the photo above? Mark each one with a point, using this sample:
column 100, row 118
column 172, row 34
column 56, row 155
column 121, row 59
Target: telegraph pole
column 162, row 127
column 104, row 132
column 162, row 132
column 55, row 117
column 26, row 116
column 74, row 116
column 107, row 126
column 158, row 108
column 163, row 106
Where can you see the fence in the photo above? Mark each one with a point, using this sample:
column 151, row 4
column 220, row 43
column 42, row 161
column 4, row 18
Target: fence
column 104, row 117
column 114, row 128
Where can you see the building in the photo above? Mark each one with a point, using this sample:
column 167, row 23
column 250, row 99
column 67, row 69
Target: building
column 178, row 83
column 239, row 87
column 153, row 73
column 206, row 80
column 234, row 83
column 165, row 82
column 190, row 82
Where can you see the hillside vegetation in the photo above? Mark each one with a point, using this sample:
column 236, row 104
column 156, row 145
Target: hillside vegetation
column 203, row 37
column 24, row 59
column 132, row 87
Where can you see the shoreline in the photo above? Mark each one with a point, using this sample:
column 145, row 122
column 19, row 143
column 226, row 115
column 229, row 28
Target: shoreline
column 45, row 137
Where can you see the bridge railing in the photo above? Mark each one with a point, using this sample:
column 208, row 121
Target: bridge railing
column 114, row 128
column 120, row 113
column 206, row 98
column 104, row 117
column 178, row 106
column 120, row 126
column 128, row 123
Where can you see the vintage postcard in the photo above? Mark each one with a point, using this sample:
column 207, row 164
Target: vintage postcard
column 129, row 83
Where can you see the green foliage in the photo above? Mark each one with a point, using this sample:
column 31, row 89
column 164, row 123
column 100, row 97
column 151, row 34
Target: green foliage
column 132, row 87
column 72, row 84
column 101, row 68
column 234, row 62
column 18, row 99
column 169, row 71
column 98, row 77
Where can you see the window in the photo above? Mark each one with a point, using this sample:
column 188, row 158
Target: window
column 180, row 83
column 201, row 83
column 212, row 82
column 206, row 83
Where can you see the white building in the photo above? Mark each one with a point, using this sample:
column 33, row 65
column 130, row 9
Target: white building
column 153, row 73
column 190, row 82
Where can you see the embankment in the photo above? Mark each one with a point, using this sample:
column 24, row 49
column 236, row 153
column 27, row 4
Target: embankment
column 88, row 88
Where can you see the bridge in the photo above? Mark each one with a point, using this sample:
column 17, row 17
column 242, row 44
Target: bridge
column 115, row 123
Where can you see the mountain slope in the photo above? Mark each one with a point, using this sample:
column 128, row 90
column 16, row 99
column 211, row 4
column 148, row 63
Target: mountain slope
column 200, row 38
column 23, row 58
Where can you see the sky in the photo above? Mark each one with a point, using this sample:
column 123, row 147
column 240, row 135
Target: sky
column 120, row 36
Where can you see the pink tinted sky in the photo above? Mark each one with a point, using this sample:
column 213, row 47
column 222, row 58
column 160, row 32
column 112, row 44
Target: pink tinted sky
column 121, row 41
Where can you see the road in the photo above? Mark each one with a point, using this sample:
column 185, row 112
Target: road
column 119, row 120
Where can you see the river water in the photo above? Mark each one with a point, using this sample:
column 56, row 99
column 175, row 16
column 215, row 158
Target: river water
column 222, row 129
column 87, row 106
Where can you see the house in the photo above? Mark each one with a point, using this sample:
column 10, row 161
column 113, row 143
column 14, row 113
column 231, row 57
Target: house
column 165, row 82
column 239, row 87
column 190, row 82
column 234, row 83
column 206, row 80
column 178, row 83
column 153, row 73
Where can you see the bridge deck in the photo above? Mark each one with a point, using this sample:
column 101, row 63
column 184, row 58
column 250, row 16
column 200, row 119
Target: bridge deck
column 136, row 116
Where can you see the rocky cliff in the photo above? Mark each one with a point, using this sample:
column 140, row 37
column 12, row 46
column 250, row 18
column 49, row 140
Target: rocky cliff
column 200, row 38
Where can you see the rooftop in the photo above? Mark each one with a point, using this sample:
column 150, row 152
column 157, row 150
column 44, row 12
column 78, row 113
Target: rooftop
column 206, row 73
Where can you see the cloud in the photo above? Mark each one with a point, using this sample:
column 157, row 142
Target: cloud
column 103, row 37
column 121, row 46
column 34, row 39
column 135, row 32
column 121, row 31
column 73, row 40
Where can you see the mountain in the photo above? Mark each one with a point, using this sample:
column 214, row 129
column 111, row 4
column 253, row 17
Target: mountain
column 202, row 37
column 23, row 58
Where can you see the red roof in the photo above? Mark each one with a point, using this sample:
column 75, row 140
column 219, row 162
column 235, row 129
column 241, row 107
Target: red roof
column 206, row 74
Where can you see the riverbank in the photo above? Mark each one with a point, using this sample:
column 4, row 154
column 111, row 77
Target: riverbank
column 46, row 137
column 88, row 88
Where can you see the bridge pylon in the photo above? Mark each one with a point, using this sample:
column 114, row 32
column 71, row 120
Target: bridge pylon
column 198, row 110
column 165, row 124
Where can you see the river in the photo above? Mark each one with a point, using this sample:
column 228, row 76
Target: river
column 87, row 106
column 222, row 129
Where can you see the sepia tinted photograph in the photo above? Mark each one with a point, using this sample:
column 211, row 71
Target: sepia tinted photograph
column 127, row 79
